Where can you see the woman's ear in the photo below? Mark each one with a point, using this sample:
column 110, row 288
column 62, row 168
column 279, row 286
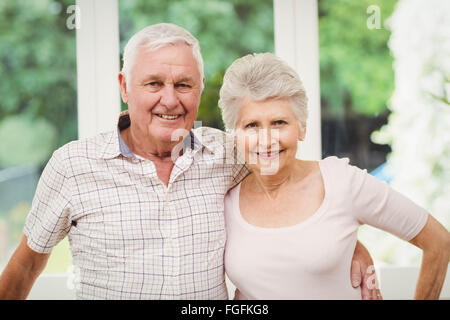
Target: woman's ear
column 302, row 132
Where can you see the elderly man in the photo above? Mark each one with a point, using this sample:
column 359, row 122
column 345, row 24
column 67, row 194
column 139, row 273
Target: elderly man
column 142, row 205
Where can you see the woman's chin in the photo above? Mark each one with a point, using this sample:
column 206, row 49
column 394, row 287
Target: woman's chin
column 263, row 168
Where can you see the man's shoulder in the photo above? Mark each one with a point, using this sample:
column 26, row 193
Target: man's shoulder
column 212, row 137
column 93, row 147
column 209, row 131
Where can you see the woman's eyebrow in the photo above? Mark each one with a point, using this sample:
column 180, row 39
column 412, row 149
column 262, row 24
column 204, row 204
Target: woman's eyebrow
column 280, row 118
column 248, row 120
column 273, row 118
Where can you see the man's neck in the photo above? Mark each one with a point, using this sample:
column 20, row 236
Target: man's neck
column 158, row 153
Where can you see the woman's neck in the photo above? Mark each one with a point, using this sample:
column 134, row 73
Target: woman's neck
column 271, row 185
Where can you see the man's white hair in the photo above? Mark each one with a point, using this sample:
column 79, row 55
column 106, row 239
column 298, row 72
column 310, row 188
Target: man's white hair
column 157, row 36
column 258, row 77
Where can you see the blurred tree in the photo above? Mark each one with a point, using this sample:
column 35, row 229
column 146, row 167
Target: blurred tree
column 418, row 129
column 32, row 146
column 38, row 62
column 356, row 74
column 356, row 78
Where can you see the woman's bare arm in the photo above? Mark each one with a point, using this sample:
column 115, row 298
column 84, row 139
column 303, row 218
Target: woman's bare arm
column 434, row 240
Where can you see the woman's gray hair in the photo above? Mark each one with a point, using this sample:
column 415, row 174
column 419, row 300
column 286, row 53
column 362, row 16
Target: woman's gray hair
column 157, row 36
column 258, row 77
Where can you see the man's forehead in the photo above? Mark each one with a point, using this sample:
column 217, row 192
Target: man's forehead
column 173, row 62
column 180, row 54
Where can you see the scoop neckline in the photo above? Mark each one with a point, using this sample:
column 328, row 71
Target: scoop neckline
column 301, row 224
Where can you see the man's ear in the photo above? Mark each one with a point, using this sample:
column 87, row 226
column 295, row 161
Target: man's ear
column 123, row 87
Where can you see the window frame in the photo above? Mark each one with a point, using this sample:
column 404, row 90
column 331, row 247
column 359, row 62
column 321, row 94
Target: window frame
column 296, row 32
column 97, row 41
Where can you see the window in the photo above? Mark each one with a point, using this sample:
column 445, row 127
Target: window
column 397, row 130
column 38, row 110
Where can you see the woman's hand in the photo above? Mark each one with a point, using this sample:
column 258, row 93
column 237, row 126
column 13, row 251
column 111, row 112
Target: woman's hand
column 434, row 240
column 362, row 274
column 236, row 294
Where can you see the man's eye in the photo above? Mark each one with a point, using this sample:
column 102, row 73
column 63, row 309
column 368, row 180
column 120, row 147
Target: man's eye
column 154, row 84
column 183, row 85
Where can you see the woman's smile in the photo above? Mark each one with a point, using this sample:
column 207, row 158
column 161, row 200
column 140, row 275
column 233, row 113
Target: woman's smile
column 269, row 155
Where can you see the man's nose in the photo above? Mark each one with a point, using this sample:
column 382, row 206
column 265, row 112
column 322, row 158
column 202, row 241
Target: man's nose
column 169, row 97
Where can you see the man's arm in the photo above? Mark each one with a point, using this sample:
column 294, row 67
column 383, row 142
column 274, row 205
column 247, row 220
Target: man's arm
column 362, row 274
column 22, row 270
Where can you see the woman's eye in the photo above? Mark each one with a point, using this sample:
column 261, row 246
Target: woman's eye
column 280, row 122
column 251, row 125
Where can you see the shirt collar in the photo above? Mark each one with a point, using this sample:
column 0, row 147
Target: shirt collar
column 116, row 146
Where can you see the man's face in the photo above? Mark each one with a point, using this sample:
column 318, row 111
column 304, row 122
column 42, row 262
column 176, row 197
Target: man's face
column 163, row 93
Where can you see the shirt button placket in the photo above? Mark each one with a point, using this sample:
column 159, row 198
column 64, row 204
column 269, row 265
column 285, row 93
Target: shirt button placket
column 168, row 224
column 177, row 260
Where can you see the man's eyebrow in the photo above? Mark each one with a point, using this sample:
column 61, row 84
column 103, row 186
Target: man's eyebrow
column 156, row 77
column 185, row 79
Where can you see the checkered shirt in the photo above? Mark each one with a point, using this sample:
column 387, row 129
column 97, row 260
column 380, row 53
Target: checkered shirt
column 130, row 236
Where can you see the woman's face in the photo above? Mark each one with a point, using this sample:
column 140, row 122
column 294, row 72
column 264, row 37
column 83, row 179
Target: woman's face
column 267, row 133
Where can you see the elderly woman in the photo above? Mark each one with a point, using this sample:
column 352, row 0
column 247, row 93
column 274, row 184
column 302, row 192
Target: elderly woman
column 292, row 224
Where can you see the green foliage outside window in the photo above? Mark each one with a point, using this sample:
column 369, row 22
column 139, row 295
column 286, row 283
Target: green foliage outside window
column 38, row 64
column 355, row 64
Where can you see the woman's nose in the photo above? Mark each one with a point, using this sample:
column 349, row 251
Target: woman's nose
column 268, row 138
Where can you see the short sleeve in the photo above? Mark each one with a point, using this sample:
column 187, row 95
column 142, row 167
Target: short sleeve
column 48, row 221
column 377, row 204
column 239, row 172
column 239, row 169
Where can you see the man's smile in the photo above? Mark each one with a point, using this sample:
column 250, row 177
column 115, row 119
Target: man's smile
column 170, row 117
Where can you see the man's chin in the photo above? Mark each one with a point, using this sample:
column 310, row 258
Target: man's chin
column 169, row 135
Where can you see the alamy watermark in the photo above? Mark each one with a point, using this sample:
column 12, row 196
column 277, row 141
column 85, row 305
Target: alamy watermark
column 374, row 20
column 73, row 280
column 74, row 19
